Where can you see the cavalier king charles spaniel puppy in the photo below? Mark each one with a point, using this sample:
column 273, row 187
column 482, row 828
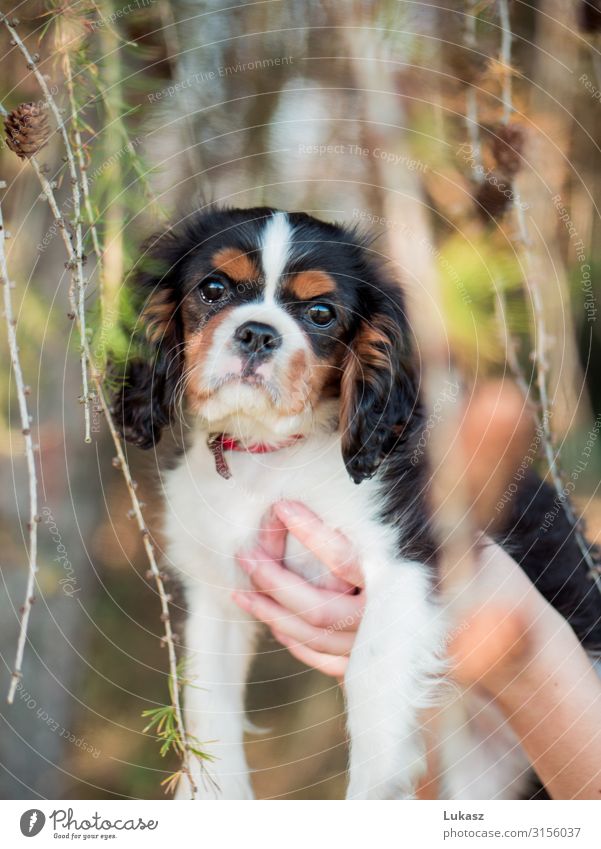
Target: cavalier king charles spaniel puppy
column 283, row 345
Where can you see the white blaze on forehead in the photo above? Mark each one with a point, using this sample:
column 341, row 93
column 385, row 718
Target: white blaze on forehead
column 275, row 247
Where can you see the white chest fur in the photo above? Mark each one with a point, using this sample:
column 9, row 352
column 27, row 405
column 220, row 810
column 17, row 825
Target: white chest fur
column 209, row 518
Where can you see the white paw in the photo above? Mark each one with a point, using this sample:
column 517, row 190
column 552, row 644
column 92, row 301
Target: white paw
column 385, row 769
column 230, row 787
column 212, row 785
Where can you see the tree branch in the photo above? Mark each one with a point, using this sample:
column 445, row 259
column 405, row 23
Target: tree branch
column 75, row 263
column 22, row 391
column 78, row 255
column 543, row 422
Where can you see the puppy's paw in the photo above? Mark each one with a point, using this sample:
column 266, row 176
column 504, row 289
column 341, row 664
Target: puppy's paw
column 211, row 785
column 381, row 768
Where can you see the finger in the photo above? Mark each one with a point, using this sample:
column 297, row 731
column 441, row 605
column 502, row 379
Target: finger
column 272, row 535
column 329, row 545
column 328, row 640
column 318, row 606
column 332, row 665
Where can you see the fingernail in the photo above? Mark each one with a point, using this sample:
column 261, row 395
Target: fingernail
column 288, row 508
column 268, row 517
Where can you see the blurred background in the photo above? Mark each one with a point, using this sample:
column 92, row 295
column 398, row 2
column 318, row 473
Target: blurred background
column 415, row 121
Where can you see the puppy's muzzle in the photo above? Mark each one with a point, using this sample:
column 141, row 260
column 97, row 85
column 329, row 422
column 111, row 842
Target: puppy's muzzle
column 257, row 341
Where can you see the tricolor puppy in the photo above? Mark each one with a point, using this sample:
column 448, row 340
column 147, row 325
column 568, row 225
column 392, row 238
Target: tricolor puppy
column 283, row 346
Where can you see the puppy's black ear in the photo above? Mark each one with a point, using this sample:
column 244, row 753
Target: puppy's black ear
column 145, row 402
column 378, row 388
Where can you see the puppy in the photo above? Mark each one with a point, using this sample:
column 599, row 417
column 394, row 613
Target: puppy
column 283, row 346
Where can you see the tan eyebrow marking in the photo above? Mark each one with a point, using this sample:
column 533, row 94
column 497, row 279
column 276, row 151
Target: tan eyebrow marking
column 236, row 264
column 311, row 284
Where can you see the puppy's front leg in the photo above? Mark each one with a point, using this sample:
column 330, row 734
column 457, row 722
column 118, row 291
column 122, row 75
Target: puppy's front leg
column 393, row 672
column 219, row 647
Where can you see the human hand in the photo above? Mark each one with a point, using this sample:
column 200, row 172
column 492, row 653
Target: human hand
column 317, row 624
column 505, row 625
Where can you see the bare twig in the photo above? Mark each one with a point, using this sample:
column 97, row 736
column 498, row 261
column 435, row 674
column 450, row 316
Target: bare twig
column 471, row 95
column 74, row 264
column 79, row 152
column 83, row 170
column 122, row 464
column 78, row 256
column 506, row 42
column 22, row 391
column 164, row 597
column 543, row 422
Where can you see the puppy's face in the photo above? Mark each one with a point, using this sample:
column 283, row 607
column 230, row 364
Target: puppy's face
column 258, row 317
column 267, row 310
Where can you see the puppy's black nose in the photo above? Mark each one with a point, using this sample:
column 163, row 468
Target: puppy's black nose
column 256, row 339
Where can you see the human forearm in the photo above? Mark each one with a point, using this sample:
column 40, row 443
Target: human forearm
column 553, row 703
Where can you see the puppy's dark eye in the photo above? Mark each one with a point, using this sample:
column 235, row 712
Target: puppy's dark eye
column 212, row 290
column 322, row 315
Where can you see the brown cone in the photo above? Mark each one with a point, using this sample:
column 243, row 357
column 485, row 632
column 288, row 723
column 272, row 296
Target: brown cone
column 491, row 200
column 507, row 146
column 27, row 130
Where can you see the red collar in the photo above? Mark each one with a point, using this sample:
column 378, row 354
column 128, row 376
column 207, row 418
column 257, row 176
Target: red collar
column 220, row 442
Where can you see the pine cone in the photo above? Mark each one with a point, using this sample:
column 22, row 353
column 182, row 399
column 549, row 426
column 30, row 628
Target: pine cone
column 493, row 197
column 507, row 146
column 27, row 130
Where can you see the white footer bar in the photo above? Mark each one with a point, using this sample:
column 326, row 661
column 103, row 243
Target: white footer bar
column 301, row 825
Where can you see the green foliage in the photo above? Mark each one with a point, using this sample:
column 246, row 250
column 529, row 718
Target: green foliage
column 475, row 273
column 163, row 723
column 163, row 726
